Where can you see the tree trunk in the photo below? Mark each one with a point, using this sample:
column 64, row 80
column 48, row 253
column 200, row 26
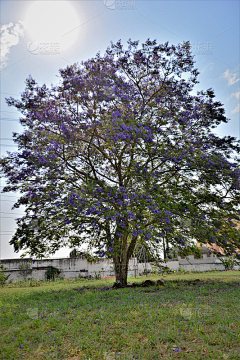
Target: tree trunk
column 164, row 250
column 121, row 271
column 121, row 262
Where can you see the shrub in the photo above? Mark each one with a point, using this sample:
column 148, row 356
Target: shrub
column 25, row 270
column 3, row 277
column 229, row 262
column 52, row 273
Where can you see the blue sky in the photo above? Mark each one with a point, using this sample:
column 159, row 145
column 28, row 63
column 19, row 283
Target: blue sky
column 40, row 37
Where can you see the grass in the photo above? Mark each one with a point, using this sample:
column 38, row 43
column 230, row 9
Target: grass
column 66, row 320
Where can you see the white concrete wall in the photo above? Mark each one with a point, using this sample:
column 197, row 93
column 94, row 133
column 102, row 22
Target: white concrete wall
column 203, row 264
column 71, row 268
column 202, row 267
column 142, row 267
column 191, row 260
column 173, row 265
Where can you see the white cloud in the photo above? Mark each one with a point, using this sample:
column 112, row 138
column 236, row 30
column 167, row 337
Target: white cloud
column 208, row 67
column 231, row 77
column 236, row 94
column 9, row 36
column 236, row 110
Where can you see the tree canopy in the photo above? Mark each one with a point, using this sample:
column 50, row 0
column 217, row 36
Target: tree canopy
column 122, row 149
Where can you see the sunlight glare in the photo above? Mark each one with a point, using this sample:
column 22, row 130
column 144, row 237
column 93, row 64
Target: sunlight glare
column 52, row 21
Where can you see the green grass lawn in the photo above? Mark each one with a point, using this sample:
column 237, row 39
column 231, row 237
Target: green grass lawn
column 67, row 321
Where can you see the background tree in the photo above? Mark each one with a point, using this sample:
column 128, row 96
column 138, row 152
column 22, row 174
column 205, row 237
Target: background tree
column 77, row 253
column 25, row 270
column 120, row 148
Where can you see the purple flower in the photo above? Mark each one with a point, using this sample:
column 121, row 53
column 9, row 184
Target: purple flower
column 177, row 349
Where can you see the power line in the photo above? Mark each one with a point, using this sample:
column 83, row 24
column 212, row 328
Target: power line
column 6, row 139
column 10, row 112
column 5, row 246
column 2, row 212
column 7, row 232
column 8, row 145
column 9, row 93
column 9, row 119
column 8, row 195
column 7, row 201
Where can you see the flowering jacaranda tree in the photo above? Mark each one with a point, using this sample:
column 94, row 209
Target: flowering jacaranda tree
column 122, row 149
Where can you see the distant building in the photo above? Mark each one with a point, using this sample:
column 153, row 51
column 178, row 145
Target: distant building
column 216, row 247
column 211, row 247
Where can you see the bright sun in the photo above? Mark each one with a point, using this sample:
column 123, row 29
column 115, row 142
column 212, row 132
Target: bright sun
column 52, row 21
